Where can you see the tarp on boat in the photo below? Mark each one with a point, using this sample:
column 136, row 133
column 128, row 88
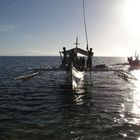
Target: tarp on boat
column 77, row 50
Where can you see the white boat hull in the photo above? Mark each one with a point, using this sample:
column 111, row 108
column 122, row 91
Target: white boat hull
column 77, row 78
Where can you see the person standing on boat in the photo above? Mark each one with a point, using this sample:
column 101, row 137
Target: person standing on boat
column 64, row 61
column 73, row 57
column 89, row 59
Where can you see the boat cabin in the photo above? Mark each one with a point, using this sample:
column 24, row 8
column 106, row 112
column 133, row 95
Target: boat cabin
column 77, row 57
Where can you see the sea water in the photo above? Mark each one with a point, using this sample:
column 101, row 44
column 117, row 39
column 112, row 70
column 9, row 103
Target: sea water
column 44, row 107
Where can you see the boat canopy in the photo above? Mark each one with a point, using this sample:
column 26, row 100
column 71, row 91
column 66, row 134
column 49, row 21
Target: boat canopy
column 77, row 50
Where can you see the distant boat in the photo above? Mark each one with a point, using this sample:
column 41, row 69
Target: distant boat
column 76, row 65
column 134, row 62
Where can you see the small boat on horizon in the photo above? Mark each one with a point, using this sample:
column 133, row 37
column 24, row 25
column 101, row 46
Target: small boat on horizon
column 134, row 62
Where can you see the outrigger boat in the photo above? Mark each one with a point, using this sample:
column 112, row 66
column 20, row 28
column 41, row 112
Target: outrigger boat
column 75, row 62
column 76, row 65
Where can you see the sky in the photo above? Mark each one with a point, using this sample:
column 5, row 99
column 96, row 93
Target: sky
column 43, row 27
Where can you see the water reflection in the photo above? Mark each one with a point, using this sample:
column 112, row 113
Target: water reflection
column 78, row 97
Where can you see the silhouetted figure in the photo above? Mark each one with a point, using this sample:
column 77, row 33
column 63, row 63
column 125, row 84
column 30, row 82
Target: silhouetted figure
column 64, row 61
column 73, row 57
column 89, row 59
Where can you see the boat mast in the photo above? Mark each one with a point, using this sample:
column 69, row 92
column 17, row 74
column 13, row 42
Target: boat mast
column 76, row 43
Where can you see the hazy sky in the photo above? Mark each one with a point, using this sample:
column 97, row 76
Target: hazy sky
column 43, row 27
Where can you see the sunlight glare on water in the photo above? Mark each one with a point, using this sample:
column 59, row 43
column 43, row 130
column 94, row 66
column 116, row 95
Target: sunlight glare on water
column 130, row 108
column 136, row 98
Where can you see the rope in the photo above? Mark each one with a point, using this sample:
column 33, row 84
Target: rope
column 84, row 15
column 85, row 25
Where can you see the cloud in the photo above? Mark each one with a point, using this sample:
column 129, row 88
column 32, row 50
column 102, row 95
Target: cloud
column 7, row 28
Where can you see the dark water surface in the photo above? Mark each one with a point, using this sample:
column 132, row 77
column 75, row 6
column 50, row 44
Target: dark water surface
column 45, row 107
